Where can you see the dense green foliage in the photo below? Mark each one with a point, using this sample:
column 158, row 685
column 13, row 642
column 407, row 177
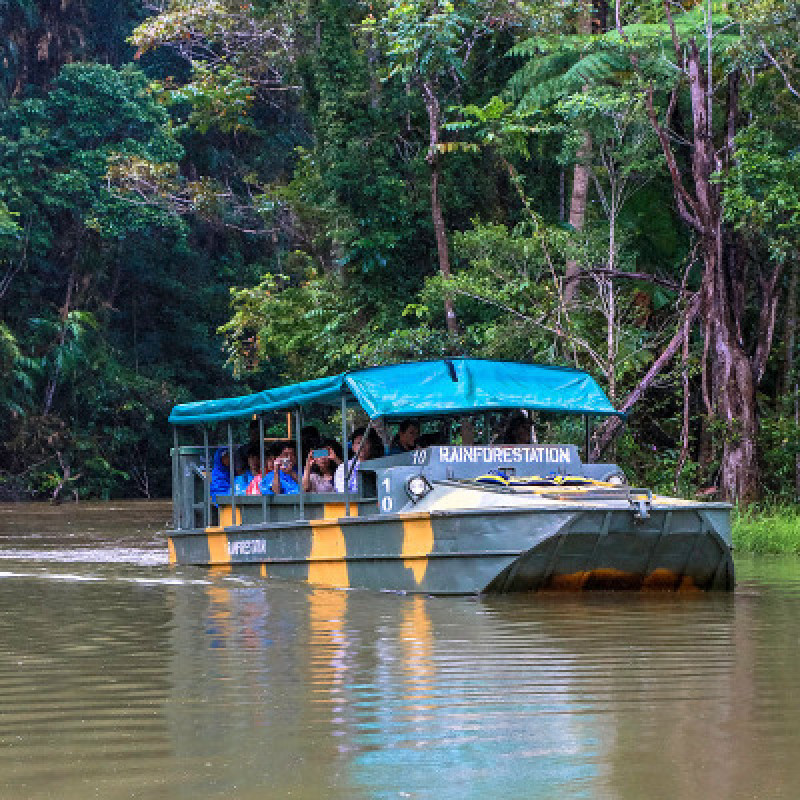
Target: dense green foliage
column 771, row 531
column 230, row 194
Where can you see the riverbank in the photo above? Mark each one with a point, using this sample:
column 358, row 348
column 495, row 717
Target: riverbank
column 770, row 531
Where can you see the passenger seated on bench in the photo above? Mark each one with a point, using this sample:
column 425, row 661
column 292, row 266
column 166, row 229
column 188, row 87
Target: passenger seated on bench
column 271, row 450
column 220, row 474
column 254, row 487
column 242, row 474
column 406, row 438
column 319, row 470
column 253, row 473
column 283, row 478
column 362, row 451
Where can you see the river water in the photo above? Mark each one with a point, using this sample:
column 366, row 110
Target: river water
column 121, row 677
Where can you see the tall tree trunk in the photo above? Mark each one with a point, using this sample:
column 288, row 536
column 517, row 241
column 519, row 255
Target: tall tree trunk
column 439, row 230
column 684, row 453
column 733, row 389
column 790, row 335
column 797, row 428
column 734, row 374
column 736, row 407
column 790, row 383
column 581, row 175
column 733, row 379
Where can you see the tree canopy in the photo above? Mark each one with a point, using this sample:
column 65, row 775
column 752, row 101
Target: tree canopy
column 220, row 195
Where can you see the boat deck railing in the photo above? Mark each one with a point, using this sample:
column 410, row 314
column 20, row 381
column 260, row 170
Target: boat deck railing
column 196, row 509
column 261, row 509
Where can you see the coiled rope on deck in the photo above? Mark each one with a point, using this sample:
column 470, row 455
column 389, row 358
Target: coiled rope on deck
column 551, row 481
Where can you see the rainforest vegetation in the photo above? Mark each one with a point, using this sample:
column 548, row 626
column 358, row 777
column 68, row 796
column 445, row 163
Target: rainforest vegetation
column 204, row 197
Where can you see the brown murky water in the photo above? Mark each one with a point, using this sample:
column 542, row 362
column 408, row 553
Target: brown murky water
column 121, row 677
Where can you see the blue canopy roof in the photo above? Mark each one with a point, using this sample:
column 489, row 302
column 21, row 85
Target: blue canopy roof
column 423, row 388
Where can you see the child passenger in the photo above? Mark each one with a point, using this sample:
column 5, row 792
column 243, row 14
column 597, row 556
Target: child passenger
column 254, row 465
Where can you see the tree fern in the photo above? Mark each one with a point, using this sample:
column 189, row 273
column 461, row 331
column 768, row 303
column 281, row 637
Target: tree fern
column 558, row 66
column 548, row 78
column 597, row 68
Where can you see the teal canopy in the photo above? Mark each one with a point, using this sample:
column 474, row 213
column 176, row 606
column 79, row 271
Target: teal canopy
column 424, row 388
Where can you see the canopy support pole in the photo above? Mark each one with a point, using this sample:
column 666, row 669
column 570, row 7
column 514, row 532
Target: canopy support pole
column 299, row 446
column 262, row 463
column 588, row 439
column 206, row 480
column 232, row 474
column 533, row 438
column 176, row 481
column 344, row 449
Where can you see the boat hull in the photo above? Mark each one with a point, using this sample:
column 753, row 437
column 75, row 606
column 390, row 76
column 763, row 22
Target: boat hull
column 474, row 551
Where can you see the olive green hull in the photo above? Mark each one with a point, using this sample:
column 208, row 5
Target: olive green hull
column 480, row 550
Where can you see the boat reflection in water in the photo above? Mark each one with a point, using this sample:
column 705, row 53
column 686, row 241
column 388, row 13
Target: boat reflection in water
column 367, row 694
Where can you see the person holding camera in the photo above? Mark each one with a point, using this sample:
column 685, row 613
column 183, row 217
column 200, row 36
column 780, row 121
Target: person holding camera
column 283, row 478
column 320, row 468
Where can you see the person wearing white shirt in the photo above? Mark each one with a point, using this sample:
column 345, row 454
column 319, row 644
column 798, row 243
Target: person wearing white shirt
column 363, row 451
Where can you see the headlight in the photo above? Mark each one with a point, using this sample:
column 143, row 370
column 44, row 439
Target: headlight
column 617, row 478
column 417, row 487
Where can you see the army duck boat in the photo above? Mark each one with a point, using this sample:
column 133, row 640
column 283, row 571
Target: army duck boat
column 455, row 517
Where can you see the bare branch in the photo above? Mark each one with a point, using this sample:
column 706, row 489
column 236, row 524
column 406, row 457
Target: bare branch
column 611, row 427
column 780, row 69
column 634, row 276
column 676, row 45
column 541, row 322
column 686, row 205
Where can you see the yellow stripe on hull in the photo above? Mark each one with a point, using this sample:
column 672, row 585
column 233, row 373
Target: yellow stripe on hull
column 417, row 545
column 218, row 552
column 328, row 550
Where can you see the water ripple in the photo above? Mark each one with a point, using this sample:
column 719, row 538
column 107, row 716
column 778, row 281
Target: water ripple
column 123, row 678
